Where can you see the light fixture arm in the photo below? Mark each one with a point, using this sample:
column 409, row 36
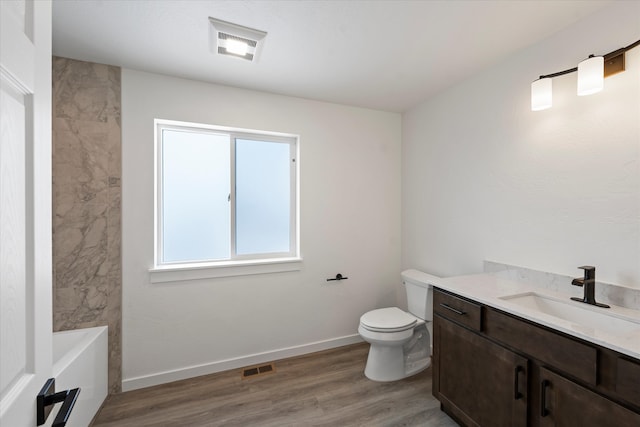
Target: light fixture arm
column 559, row 73
column 621, row 51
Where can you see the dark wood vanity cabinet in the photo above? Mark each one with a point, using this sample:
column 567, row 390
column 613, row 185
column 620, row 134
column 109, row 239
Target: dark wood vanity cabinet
column 494, row 369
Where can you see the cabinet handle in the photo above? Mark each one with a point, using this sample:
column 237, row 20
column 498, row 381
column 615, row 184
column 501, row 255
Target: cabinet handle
column 543, row 398
column 455, row 310
column 516, row 387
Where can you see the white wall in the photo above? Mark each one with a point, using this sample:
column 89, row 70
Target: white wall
column 350, row 224
column 484, row 177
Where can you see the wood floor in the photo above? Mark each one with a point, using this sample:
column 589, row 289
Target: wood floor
column 321, row 389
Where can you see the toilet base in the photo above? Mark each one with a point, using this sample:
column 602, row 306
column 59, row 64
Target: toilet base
column 395, row 360
column 386, row 364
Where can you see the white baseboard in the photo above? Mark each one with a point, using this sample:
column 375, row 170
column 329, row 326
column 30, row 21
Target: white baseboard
column 134, row 383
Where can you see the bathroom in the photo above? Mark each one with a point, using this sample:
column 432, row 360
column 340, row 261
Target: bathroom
column 464, row 175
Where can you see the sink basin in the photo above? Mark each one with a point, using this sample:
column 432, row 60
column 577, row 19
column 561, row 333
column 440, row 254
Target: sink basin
column 581, row 315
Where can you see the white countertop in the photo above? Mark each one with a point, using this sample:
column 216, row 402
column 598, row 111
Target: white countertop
column 488, row 289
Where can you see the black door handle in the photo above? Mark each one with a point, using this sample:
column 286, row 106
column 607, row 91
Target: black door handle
column 67, row 406
column 48, row 397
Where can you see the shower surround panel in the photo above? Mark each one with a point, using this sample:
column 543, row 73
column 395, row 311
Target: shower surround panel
column 87, row 287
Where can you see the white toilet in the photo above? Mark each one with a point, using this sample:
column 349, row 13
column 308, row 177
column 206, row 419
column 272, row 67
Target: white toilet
column 400, row 340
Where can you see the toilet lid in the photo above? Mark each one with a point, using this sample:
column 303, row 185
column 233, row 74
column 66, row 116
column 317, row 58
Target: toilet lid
column 390, row 319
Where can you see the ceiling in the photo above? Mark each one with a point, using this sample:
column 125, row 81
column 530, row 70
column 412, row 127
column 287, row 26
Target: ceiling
column 385, row 55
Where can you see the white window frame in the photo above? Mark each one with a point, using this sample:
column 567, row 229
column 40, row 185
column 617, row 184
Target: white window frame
column 236, row 264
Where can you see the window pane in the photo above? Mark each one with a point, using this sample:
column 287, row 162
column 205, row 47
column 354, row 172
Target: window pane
column 262, row 197
column 195, row 190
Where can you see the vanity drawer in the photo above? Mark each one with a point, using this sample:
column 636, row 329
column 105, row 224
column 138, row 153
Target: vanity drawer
column 552, row 349
column 459, row 310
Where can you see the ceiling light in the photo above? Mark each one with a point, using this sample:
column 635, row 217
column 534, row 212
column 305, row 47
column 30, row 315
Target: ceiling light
column 591, row 74
column 237, row 47
column 234, row 40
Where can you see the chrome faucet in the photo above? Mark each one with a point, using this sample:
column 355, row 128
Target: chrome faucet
column 588, row 282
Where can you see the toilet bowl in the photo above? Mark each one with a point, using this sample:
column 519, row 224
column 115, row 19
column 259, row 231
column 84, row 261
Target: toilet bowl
column 400, row 340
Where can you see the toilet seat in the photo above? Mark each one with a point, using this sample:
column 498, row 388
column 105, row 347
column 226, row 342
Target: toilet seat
column 390, row 319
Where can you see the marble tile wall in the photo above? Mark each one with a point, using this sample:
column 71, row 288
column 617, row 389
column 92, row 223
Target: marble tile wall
column 605, row 292
column 87, row 285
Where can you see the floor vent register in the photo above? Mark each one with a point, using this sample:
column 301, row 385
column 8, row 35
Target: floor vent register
column 256, row 371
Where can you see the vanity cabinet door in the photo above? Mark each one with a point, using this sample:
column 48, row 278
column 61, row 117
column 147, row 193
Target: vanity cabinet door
column 477, row 381
column 564, row 403
column 628, row 380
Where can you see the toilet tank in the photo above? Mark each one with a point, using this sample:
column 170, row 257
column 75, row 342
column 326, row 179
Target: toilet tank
column 419, row 293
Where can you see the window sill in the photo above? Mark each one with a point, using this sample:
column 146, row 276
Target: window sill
column 184, row 272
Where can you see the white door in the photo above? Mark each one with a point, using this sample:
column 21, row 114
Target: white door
column 25, row 207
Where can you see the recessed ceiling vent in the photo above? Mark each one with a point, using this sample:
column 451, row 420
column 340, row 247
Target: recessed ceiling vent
column 235, row 40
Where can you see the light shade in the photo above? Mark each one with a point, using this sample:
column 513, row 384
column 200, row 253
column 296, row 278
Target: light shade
column 591, row 75
column 541, row 94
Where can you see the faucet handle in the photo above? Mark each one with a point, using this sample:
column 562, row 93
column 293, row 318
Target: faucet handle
column 589, row 271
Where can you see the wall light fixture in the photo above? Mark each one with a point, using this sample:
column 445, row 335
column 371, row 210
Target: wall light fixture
column 591, row 74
